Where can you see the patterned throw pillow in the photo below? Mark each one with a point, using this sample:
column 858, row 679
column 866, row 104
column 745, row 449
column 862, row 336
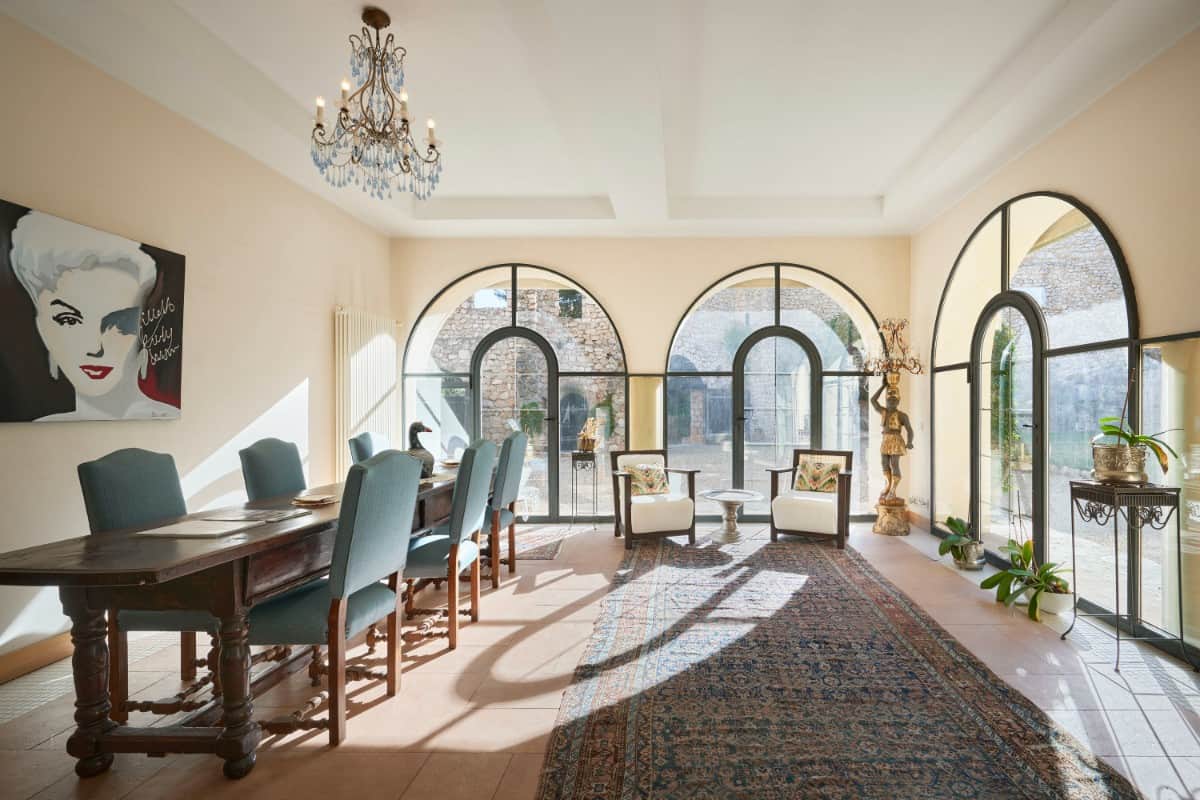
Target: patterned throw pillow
column 817, row 476
column 648, row 479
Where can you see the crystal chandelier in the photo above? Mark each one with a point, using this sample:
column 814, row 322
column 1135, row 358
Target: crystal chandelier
column 370, row 143
column 896, row 357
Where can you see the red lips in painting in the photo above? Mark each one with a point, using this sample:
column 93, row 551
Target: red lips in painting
column 95, row 371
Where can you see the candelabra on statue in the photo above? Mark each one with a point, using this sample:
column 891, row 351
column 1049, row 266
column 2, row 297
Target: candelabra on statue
column 371, row 143
column 892, row 510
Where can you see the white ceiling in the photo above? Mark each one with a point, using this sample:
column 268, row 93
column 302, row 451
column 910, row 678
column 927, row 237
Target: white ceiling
column 641, row 117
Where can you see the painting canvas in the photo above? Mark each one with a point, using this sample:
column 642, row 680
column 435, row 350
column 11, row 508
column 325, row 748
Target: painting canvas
column 91, row 323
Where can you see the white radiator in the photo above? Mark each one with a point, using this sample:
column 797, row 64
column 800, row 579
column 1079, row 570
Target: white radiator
column 367, row 368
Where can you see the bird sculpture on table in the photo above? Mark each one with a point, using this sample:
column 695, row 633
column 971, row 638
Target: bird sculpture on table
column 417, row 451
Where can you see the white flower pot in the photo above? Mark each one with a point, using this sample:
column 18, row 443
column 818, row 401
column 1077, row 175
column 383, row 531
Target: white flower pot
column 1056, row 603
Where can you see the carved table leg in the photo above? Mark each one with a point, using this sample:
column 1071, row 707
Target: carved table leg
column 237, row 742
column 89, row 666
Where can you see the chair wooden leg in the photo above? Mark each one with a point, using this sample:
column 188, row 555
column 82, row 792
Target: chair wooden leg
column 187, row 656
column 410, row 603
column 393, row 641
column 512, row 546
column 314, row 666
column 337, row 671
column 475, row 581
column 214, row 662
column 494, row 544
column 118, row 669
column 452, row 600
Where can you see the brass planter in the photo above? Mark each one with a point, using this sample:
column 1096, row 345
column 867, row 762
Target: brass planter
column 1119, row 463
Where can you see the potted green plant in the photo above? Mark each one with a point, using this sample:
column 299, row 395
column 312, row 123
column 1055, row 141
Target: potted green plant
column 1042, row 586
column 961, row 545
column 1124, row 461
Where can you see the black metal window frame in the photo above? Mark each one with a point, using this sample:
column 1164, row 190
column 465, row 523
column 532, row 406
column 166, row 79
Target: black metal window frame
column 554, row 374
column 1007, row 297
column 736, row 371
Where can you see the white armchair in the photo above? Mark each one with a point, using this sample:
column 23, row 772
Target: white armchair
column 810, row 512
column 650, row 515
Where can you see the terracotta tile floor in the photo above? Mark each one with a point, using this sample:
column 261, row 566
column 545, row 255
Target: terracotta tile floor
column 473, row 723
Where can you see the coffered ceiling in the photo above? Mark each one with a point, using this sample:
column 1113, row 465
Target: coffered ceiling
column 646, row 117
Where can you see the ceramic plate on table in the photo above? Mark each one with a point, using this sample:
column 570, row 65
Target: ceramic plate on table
column 451, row 463
column 314, row 500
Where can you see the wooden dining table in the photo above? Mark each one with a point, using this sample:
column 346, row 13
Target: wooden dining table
column 224, row 576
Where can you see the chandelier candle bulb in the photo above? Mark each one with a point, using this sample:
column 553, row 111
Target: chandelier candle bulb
column 320, row 110
column 345, row 91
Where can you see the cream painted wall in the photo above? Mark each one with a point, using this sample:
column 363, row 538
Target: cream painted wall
column 647, row 284
column 1132, row 157
column 266, row 263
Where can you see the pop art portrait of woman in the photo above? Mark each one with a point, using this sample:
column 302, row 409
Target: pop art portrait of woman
column 90, row 323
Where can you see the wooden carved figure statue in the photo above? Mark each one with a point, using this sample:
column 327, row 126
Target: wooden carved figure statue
column 894, row 443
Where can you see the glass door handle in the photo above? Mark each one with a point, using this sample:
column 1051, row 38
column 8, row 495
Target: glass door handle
column 549, row 419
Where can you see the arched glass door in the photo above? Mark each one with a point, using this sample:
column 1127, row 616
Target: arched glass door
column 517, row 378
column 1007, row 395
column 777, row 399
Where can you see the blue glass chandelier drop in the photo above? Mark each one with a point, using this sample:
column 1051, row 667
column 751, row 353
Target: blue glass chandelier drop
column 370, row 143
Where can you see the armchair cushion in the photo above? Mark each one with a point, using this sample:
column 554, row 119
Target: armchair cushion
column 301, row 616
column 647, row 479
column 428, row 556
column 815, row 475
column 660, row 512
column 812, row 512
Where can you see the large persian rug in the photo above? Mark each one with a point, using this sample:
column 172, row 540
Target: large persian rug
column 794, row 670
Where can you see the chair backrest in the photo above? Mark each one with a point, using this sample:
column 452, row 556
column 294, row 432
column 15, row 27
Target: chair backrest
column 508, row 469
column 625, row 458
column 130, row 488
column 621, row 459
column 366, row 445
column 375, row 521
column 469, row 506
column 843, row 457
column 272, row 467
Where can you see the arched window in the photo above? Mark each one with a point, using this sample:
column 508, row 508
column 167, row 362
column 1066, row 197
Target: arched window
column 766, row 360
column 1034, row 341
column 520, row 347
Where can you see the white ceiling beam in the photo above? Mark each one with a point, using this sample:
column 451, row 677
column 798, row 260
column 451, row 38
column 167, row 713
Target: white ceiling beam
column 777, row 208
column 508, row 207
column 1086, row 49
column 614, row 127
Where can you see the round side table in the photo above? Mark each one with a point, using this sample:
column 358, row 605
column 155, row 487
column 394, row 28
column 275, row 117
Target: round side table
column 731, row 500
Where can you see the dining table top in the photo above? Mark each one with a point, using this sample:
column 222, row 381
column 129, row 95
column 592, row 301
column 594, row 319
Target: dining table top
column 129, row 558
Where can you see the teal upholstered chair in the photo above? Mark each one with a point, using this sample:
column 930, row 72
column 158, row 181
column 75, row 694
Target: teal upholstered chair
column 502, row 507
column 374, row 526
column 272, row 467
column 366, row 445
column 452, row 547
column 135, row 488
